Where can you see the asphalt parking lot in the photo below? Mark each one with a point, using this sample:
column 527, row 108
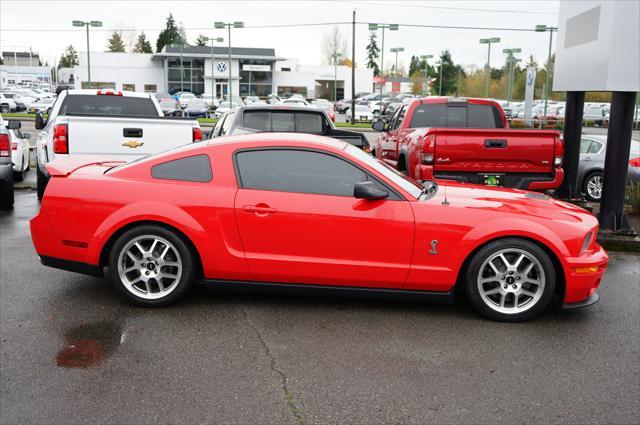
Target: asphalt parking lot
column 72, row 351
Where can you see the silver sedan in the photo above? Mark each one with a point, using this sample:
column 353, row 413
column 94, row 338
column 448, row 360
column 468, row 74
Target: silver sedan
column 591, row 168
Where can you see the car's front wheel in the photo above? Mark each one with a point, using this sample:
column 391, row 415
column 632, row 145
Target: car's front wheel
column 510, row 280
column 593, row 186
column 151, row 266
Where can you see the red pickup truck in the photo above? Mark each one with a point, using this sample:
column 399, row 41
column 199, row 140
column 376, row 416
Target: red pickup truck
column 468, row 140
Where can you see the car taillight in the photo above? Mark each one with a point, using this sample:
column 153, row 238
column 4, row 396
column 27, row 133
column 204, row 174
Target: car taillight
column 5, row 146
column 109, row 93
column 635, row 162
column 427, row 151
column 197, row 134
column 558, row 152
column 60, row 139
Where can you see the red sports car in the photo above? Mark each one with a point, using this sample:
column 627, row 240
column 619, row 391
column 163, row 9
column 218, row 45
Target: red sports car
column 303, row 213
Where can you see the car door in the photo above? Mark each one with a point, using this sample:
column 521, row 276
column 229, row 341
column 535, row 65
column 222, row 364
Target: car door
column 589, row 155
column 300, row 223
column 390, row 138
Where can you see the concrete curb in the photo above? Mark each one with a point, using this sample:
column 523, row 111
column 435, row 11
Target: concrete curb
column 613, row 242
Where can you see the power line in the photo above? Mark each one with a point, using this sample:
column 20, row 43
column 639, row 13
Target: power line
column 396, row 5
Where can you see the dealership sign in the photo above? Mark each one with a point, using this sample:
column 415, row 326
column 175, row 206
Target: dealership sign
column 221, row 66
column 264, row 68
column 530, row 84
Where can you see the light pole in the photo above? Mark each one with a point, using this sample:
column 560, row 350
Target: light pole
column 511, row 61
column 396, row 50
column 375, row 27
column 222, row 25
column 544, row 28
column 439, row 63
column 489, row 42
column 88, row 24
column 426, row 58
column 335, row 56
column 213, row 81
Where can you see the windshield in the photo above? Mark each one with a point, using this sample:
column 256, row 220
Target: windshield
column 167, row 104
column 361, row 108
column 396, row 177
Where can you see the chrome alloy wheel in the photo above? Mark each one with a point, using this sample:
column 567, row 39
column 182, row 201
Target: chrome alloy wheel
column 149, row 267
column 594, row 187
column 511, row 281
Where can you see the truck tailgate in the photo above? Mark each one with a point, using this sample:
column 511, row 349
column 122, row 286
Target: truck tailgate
column 126, row 138
column 494, row 150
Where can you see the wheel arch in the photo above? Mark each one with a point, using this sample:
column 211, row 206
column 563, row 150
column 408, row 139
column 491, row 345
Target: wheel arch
column 588, row 173
column 108, row 246
column 560, row 287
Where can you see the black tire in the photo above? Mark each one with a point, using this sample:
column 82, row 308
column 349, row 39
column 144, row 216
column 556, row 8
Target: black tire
column 4, row 109
column 593, row 178
column 6, row 193
column 18, row 176
column 531, row 310
column 41, row 183
column 186, row 257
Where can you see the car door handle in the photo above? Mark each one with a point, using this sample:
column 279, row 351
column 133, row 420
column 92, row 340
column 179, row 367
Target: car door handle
column 259, row 209
column 587, row 159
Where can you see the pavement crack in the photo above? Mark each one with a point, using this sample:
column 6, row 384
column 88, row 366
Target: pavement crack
column 288, row 395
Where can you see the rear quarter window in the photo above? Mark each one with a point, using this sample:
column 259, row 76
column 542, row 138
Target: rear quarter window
column 193, row 169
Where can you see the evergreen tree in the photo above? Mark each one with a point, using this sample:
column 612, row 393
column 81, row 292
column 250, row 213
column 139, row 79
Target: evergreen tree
column 373, row 51
column 201, row 40
column 416, row 65
column 142, row 44
column 115, row 43
column 69, row 58
column 169, row 35
column 449, row 74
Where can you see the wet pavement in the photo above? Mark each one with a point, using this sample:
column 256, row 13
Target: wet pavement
column 73, row 351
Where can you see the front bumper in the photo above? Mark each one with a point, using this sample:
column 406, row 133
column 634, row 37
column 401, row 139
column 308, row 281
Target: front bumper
column 583, row 275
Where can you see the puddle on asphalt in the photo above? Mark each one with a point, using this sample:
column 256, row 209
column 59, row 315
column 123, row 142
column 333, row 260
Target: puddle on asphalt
column 90, row 344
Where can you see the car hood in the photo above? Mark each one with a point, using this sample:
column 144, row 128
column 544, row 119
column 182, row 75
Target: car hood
column 517, row 202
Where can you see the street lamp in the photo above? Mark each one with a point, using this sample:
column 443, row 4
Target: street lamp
column 544, row 28
column 88, row 24
column 511, row 61
column 488, row 41
column 396, row 50
column 335, row 56
column 375, row 27
column 222, row 25
column 213, row 81
column 439, row 63
column 426, row 58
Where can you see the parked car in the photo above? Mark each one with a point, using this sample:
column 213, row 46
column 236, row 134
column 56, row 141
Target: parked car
column 591, row 166
column 197, row 108
column 273, row 99
column 594, row 112
column 325, row 105
column 362, row 114
column 121, row 125
column 170, row 107
column 6, row 162
column 250, row 99
column 19, row 149
column 295, row 101
column 184, row 98
column 281, row 118
column 295, row 213
column 211, row 100
column 7, row 103
column 343, row 105
column 468, row 140
column 41, row 105
column 224, row 107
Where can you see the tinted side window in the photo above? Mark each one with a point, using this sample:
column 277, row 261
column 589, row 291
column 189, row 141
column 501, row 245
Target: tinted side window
column 584, row 145
column 430, row 115
column 226, row 125
column 194, row 169
column 283, row 121
column 108, row 105
column 308, row 123
column 298, row 171
column 257, row 120
column 595, row 147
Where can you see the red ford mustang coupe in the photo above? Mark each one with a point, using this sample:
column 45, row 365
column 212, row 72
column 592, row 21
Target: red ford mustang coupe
column 302, row 213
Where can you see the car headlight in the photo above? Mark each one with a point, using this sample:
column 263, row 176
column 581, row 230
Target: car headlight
column 587, row 242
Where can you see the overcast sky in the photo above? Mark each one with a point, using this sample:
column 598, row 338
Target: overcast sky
column 45, row 26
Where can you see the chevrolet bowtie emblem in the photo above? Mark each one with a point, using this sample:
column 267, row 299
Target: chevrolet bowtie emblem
column 133, row 144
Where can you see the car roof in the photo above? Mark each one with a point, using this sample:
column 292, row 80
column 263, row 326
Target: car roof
column 280, row 139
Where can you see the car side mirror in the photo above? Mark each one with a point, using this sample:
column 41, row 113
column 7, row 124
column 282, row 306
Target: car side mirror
column 13, row 124
column 39, row 122
column 369, row 190
column 379, row 125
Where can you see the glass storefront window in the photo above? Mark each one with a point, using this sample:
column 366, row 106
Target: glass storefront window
column 256, row 77
column 192, row 78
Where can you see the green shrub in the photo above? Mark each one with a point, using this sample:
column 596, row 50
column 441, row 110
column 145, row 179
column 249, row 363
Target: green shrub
column 633, row 197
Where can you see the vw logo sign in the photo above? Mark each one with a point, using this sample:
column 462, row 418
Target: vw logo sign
column 221, row 66
column 529, row 77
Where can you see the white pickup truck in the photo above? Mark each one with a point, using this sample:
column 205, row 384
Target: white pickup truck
column 116, row 124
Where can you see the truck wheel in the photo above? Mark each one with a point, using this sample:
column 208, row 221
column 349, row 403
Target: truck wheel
column 510, row 280
column 18, row 176
column 151, row 266
column 592, row 186
column 6, row 193
column 4, row 109
column 41, row 183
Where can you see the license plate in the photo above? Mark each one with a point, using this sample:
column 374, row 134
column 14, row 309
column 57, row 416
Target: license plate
column 492, row 179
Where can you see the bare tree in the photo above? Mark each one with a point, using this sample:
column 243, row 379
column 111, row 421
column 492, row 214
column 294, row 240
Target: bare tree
column 333, row 43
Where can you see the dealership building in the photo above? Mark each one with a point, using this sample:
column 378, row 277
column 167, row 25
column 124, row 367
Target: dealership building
column 254, row 72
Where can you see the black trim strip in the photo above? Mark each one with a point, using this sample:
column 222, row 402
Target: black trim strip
column 328, row 291
column 72, row 266
column 585, row 303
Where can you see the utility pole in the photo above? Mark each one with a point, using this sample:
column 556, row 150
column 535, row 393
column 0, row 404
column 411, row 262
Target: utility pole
column 88, row 24
column 511, row 61
column 353, row 68
column 426, row 58
column 222, row 25
column 335, row 56
column 374, row 27
column 487, row 71
column 213, row 81
column 544, row 28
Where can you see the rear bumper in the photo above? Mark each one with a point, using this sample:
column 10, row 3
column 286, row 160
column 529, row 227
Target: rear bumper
column 514, row 180
column 581, row 282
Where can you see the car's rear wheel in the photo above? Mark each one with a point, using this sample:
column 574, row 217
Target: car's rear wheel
column 510, row 280
column 151, row 266
column 41, row 183
column 593, row 186
column 4, row 109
